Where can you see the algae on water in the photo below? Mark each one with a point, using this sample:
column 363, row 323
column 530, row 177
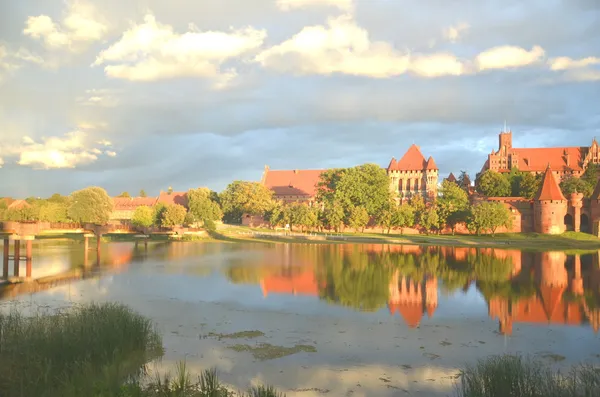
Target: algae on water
column 266, row 351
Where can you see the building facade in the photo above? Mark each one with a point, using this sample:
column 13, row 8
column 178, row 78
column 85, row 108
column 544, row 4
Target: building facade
column 564, row 161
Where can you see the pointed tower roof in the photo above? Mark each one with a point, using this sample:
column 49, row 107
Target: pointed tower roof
column 549, row 189
column 551, row 297
column 431, row 164
column 393, row 164
column 412, row 160
column 451, row 178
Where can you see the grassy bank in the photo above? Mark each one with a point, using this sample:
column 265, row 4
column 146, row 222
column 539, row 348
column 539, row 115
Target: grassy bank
column 513, row 376
column 528, row 241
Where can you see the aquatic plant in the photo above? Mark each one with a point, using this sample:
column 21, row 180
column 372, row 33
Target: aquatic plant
column 515, row 376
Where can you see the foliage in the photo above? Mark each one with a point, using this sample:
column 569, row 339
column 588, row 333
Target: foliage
column 73, row 353
column 488, row 215
column 143, row 193
column 417, row 203
column 203, row 205
column 452, row 204
column 90, row 205
column 241, row 197
column 27, row 213
column 3, row 208
column 60, row 199
column 430, row 219
column 385, row 217
column 573, row 184
column 333, row 216
column 143, row 216
column 54, row 211
column 591, row 174
column 124, row 195
column 173, row 215
column 493, row 184
column 529, row 185
column 301, row 215
column 404, row 216
column 157, row 214
column 464, row 181
column 359, row 218
column 515, row 376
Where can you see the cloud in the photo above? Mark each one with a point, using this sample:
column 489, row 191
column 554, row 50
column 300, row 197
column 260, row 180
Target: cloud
column 288, row 5
column 454, row 33
column 80, row 26
column 11, row 61
column 437, row 65
column 506, row 57
column 564, row 63
column 153, row 51
column 68, row 151
column 110, row 153
column 99, row 97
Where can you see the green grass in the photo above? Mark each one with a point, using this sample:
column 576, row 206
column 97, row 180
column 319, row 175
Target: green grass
column 514, row 376
column 75, row 353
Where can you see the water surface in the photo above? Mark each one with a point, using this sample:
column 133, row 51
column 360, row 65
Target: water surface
column 385, row 320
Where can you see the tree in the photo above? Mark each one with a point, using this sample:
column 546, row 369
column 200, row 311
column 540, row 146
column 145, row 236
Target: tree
column 173, row 215
column 453, row 201
column 418, row 206
column 202, row 206
column 58, row 198
column 301, row 215
column 514, row 180
column 591, row 174
column 90, row 205
column 3, row 207
column 488, row 215
column 430, row 219
column 333, row 216
column 125, row 195
column 573, row 184
column 143, row 216
column 26, row 213
column 143, row 193
column 53, row 211
column 241, row 197
column 404, row 216
column 359, row 218
column 529, row 185
column 157, row 214
column 464, row 181
column 493, row 184
column 385, row 217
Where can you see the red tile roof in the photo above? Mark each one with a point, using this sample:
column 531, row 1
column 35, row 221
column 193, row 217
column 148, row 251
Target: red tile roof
column 292, row 182
column 167, row 198
column 550, row 189
column 451, row 178
column 18, row 204
column 551, row 297
column 131, row 203
column 412, row 160
column 411, row 312
column 537, row 159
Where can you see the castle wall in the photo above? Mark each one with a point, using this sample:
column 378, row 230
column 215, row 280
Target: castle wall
column 549, row 217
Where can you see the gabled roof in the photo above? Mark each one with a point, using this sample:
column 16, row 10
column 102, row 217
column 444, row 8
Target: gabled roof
column 412, row 160
column 451, row 178
column 537, row 159
column 131, row 203
column 549, row 189
column 18, row 204
column 292, row 182
column 167, row 198
column 431, row 164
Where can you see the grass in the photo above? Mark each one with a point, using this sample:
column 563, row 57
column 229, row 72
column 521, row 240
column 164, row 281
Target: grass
column 238, row 335
column 75, row 353
column 514, row 376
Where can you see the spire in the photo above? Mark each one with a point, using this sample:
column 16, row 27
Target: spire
column 431, row 164
column 549, row 189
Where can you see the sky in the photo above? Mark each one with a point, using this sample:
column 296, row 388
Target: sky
column 147, row 94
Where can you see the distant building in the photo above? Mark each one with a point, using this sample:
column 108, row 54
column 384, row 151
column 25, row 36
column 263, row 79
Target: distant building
column 171, row 197
column 292, row 185
column 124, row 207
column 413, row 175
column 564, row 161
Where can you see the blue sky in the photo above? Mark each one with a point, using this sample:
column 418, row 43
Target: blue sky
column 186, row 93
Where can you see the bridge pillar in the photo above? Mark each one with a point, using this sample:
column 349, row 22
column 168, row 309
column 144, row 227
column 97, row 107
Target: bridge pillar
column 98, row 238
column 5, row 258
column 28, row 255
column 17, row 256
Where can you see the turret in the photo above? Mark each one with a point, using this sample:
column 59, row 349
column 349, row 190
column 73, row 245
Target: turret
column 550, row 206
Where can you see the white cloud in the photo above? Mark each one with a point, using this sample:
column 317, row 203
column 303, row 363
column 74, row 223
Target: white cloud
column 343, row 47
column 99, row 97
column 104, row 142
column 153, row 51
column 11, row 61
column 80, row 26
column 68, row 151
column 1, row 162
column 506, row 57
column 110, row 153
column 339, row 47
column 564, row 63
column 287, row 5
column 454, row 33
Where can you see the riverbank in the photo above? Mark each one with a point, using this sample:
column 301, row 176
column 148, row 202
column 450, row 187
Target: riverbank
column 569, row 241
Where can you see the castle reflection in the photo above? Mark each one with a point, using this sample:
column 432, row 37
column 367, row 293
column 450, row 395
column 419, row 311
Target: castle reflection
column 519, row 287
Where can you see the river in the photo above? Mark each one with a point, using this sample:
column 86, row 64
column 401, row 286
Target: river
column 339, row 320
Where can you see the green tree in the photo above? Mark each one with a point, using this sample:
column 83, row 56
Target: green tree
column 493, row 184
column 90, row 205
column 418, row 205
column 529, row 185
column 157, row 214
column 359, row 218
column 333, row 216
column 143, row 216
column 53, row 211
column 515, row 178
column 124, row 194
column 464, row 181
column 302, row 215
column 3, row 207
column 203, row 206
column 573, row 184
column 29, row 213
column 143, row 193
column 241, row 197
column 488, row 215
column 404, row 216
column 385, row 217
column 430, row 219
column 591, row 174
column 58, row 198
column 173, row 215
column 451, row 204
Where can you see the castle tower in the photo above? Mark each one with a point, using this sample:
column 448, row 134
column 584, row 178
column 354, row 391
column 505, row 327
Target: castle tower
column 549, row 206
column 505, row 141
column 575, row 204
column 431, row 178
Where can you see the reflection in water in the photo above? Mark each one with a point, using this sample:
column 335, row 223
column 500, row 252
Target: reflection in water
column 522, row 287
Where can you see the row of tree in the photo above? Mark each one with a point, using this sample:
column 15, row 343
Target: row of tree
column 525, row 184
